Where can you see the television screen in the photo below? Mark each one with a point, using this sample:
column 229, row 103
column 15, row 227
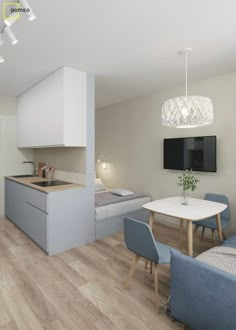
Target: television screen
column 196, row 153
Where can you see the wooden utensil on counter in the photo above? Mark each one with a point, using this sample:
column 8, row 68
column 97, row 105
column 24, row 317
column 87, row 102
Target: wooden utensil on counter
column 40, row 168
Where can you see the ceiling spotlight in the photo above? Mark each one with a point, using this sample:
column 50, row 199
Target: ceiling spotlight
column 11, row 35
column 1, row 41
column 31, row 16
column 1, row 59
column 10, row 20
column 28, row 10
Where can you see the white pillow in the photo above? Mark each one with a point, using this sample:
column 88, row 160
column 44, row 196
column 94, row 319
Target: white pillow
column 99, row 186
column 121, row 192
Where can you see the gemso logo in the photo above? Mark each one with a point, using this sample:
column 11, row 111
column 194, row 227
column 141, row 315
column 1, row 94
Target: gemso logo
column 20, row 10
column 12, row 10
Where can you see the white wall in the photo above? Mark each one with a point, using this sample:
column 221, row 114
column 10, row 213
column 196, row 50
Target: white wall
column 11, row 159
column 130, row 137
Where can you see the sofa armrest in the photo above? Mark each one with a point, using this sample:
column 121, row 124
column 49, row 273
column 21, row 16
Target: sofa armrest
column 201, row 296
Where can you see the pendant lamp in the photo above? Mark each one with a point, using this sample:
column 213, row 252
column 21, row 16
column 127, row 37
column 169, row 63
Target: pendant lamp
column 187, row 111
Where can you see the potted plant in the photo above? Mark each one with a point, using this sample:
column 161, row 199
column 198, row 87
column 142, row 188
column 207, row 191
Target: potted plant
column 188, row 182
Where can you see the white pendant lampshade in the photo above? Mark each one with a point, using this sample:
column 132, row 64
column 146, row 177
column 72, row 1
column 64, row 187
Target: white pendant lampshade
column 187, row 111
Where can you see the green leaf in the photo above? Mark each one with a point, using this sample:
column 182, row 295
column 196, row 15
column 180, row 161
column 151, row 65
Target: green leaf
column 188, row 181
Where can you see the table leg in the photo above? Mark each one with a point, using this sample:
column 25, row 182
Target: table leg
column 218, row 221
column 181, row 231
column 190, row 238
column 151, row 219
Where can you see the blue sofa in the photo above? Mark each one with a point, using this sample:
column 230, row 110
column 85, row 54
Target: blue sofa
column 202, row 297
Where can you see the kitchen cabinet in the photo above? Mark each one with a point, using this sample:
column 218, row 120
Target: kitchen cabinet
column 27, row 208
column 14, row 202
column 54, row 112
column 56, row 221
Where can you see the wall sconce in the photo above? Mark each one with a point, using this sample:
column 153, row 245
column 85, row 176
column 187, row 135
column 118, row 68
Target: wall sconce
column 101, row 160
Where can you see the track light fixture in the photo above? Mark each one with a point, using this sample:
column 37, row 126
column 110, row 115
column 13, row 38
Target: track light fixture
column 1, row 41
column 28, row 10
column 10, row 35
column 11, row 19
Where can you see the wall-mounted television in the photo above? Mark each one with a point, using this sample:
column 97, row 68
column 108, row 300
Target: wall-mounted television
column 196, row 153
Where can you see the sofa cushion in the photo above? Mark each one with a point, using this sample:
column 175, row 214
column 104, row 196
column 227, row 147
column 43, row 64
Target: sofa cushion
column 231, row 242
column 222, row 257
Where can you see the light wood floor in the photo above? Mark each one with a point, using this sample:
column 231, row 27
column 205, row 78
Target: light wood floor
column 80, row 288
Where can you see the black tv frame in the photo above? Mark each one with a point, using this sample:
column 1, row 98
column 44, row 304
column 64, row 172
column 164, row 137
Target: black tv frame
column 195, row 169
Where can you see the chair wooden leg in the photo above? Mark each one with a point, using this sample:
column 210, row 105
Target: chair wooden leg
column 131, row 271
column 224, row 236
column 203, row 231
column 195, row 229
column 213, row 236
column 146, row 264
column 151, row 266
column 181, row 227
column 156, row 289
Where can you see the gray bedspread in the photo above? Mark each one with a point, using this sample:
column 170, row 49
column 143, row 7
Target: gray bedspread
column 106, row 197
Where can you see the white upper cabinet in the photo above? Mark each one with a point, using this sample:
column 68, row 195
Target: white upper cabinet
column 54, row 112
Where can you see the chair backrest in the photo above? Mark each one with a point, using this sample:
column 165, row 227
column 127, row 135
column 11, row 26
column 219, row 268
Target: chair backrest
column 220, row 199
column 139, row 239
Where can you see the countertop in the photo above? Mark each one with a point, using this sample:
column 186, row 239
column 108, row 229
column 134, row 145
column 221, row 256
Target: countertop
column 27, row 181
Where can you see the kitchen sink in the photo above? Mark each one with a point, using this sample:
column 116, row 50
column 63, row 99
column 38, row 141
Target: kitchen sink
column 23, row 176
column 50, row 183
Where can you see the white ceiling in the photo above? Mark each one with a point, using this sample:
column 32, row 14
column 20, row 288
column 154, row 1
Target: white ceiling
column 131, row 45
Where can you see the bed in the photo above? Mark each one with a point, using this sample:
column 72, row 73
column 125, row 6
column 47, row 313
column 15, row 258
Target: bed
column 111, row 209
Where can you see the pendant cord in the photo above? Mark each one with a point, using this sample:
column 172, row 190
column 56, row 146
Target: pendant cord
column 186, row 74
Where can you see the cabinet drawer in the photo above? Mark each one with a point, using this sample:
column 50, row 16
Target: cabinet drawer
column 36, row 198
column 35, row 225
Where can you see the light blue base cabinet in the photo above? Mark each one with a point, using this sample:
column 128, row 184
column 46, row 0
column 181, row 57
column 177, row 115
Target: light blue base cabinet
column 27, row 208
column 55, row 221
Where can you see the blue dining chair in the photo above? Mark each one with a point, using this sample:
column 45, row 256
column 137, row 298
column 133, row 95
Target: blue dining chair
column 211, row 221
column 139, row 239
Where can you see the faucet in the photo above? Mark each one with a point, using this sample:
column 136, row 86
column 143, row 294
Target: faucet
column 34, row 166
